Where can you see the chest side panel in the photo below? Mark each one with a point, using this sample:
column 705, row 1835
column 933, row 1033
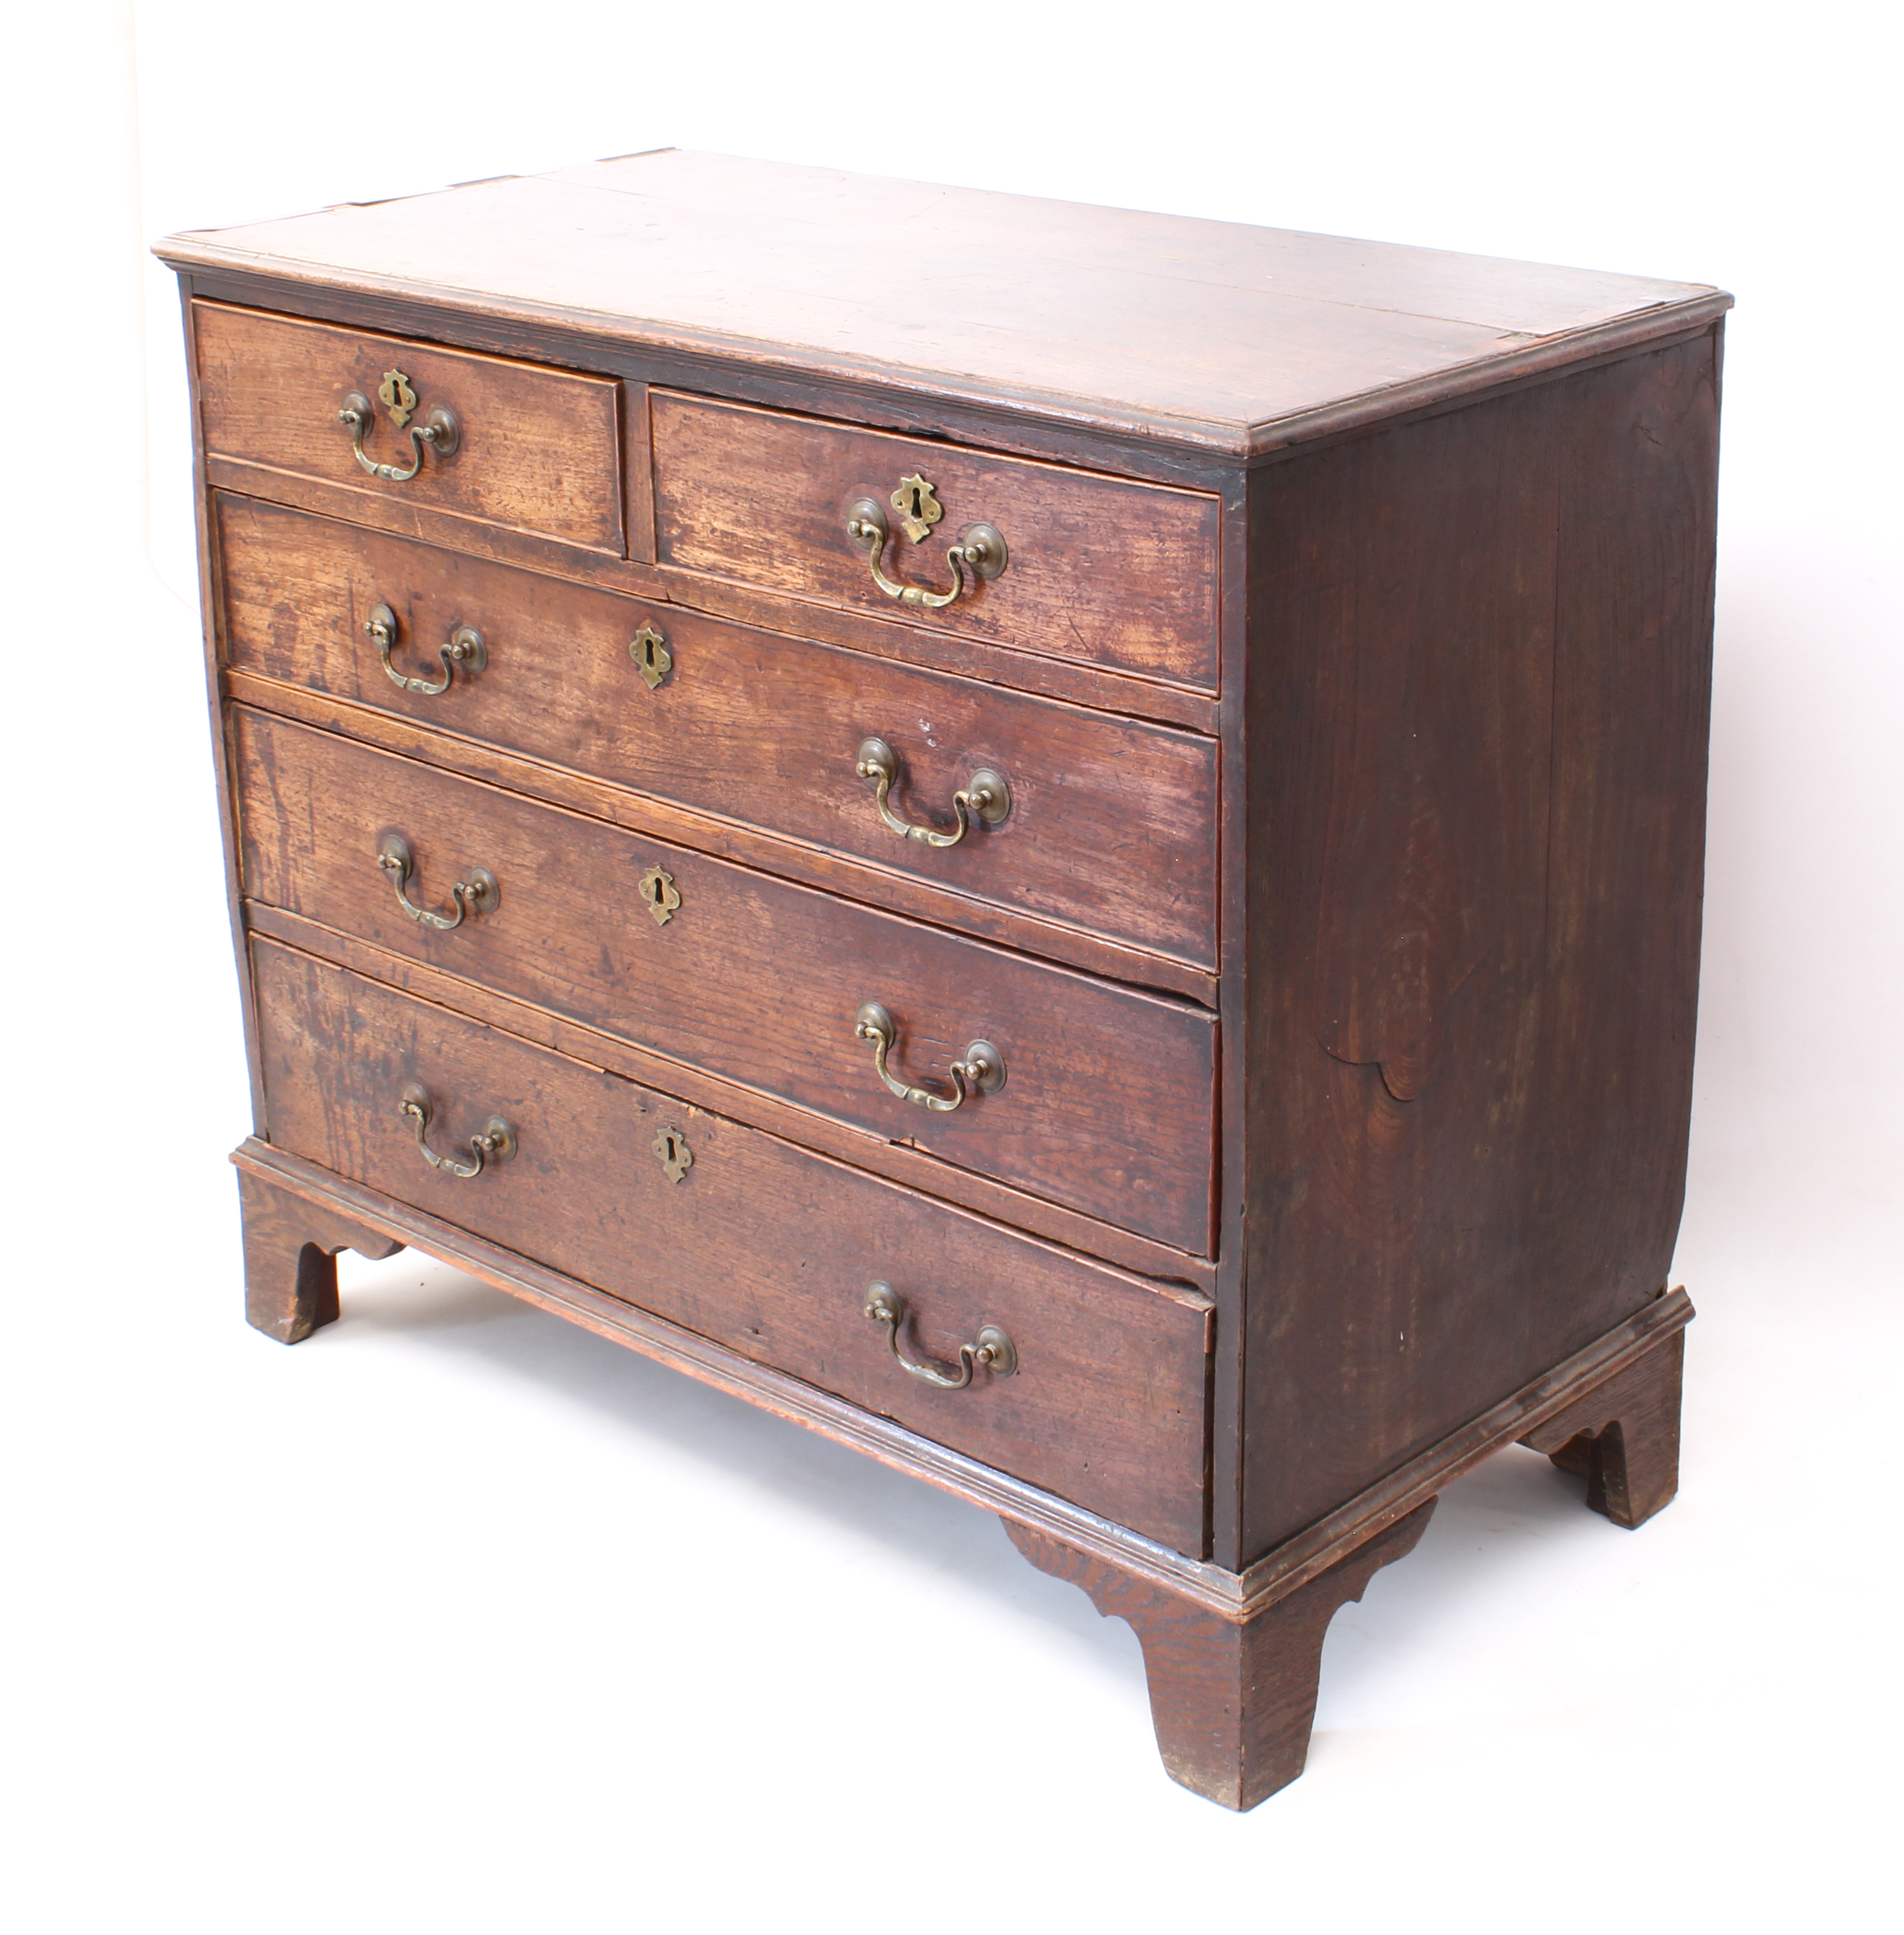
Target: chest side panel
column 1479, row 686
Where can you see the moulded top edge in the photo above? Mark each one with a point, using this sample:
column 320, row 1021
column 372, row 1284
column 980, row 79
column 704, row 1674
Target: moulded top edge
column 1231, row 340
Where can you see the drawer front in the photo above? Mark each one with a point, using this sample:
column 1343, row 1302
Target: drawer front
column 1107, row 1101
column 1112, row 822
column 1119, row 574
column 761, row 1246
column 537, row 450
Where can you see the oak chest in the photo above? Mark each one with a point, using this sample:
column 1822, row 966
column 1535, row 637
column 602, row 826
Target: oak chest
column 1066, row 844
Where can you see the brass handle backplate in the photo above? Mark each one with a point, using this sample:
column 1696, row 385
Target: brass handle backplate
column 439, row 429
column 981, row 1072
column 479, row 894
column 980, row 549
column 495, row 1142
column 464, row 647
column 991, row 1347
column 984, row 797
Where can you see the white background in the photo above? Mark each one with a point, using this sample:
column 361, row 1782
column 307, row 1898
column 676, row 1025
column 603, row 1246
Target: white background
column 455, row 1618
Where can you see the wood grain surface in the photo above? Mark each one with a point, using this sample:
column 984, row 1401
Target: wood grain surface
column 1113, row 821
column 1478, row 720
column 1233, row 1699
column 1350, row 673
column 763, row 1247
column 860, row 1148
column 1099, row 688
column 291, row 1258
column 730, row 840
column 1108, row 1103
column 1623, row 1437
column 539, row 451
column 1213, row 333
column 1120, row 574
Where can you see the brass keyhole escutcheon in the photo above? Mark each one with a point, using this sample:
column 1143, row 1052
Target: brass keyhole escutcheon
column 399, row 399
column 675, row 1156
column 653, row 660
column 657, row 890
column 918, row 506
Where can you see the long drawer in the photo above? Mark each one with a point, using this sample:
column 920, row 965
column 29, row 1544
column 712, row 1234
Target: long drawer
column 742, row 1238
column 534, row 449
column 1111, row 824
column 1107, row 1100
column 1114, row 572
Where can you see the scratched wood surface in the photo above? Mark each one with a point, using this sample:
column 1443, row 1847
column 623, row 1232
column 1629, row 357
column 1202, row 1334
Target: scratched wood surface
column 1233, row 1699
column 1480, row 729
column 1207, row 332
column 759, row 1245
column 1108, row 1102
column 1409, row 554
column 1623, row 1437
column 1112, row 820
column 1117, row 573
column 291, row 1259
column 539, row 449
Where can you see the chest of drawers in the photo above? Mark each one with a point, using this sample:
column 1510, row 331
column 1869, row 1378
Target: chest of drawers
column 1063, row 844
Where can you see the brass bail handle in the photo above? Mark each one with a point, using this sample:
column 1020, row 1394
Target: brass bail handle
column 480, row 893
column 981, row 1072
column 991, row 1346
column 985, row 799
column 439, row 430
column 981, row 549
column 495, row 1142
column 463, row 648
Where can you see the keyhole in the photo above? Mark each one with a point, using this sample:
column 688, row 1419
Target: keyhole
column 674, row 1150
column 918, row 509
column 648, row 653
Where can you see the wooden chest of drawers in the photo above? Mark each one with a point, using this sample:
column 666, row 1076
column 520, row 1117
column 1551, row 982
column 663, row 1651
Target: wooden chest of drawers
column 1063, row 844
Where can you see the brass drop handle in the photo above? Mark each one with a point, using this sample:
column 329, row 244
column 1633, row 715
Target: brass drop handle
column 981, row 1072
column 464, row 647
column 981, row 549
column 495, row 1143
column 991, row 1347
column 439, row 429
column 984, row 797
column 479, row 894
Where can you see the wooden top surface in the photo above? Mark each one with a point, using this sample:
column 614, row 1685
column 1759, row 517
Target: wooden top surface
column 1232, row 339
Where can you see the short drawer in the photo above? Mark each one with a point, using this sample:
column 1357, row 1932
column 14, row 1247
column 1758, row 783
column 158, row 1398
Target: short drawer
column 1108, row 1097
column 742, row 1238
column 1120, row 574
column 1111, row 822
column 536, row 450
